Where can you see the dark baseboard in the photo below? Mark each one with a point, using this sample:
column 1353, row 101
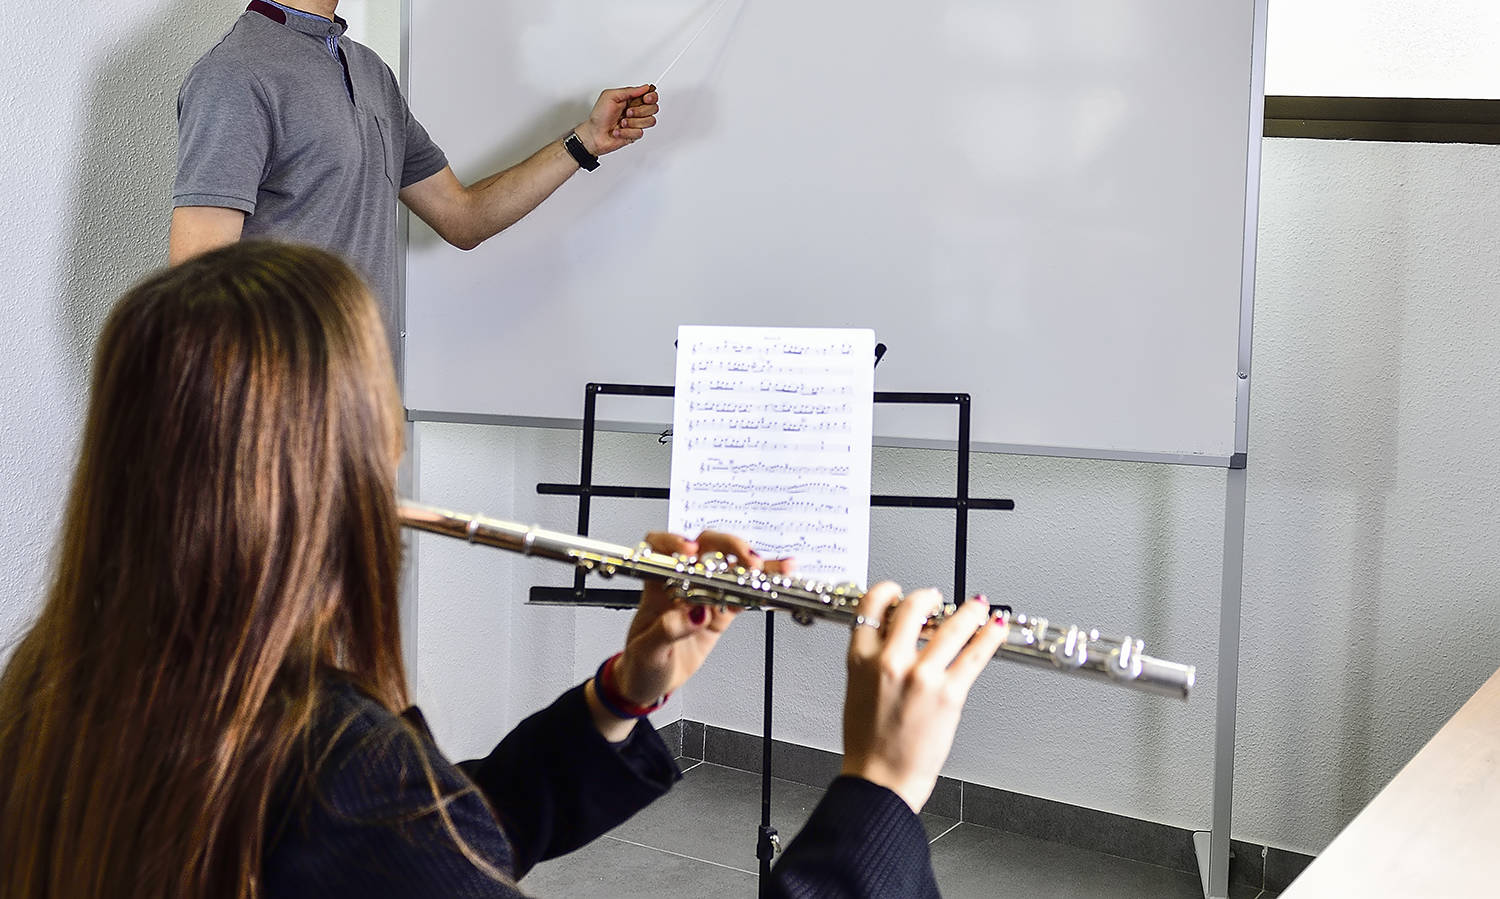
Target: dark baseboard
column 1145, row 841
column 1400, row 119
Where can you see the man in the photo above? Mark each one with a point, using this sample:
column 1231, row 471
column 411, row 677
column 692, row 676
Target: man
column 287, row 128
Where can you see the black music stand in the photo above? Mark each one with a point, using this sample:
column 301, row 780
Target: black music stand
column 768, row 842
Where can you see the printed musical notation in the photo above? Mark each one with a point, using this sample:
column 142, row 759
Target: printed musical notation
column 768, row 346
column 754, row 387
column 746, row 422
column 801, row 507
column 761, row 444
column 757, row 466
column 772, row 441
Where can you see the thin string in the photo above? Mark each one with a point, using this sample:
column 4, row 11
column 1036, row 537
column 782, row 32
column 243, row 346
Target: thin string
column 692, row 40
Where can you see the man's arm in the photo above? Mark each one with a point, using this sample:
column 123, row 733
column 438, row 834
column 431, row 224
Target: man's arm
column 468, row 216
column 198, row 229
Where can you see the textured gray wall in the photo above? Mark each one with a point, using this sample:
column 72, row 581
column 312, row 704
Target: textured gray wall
column 88, row 108
column 1370, row 607
column 87, row 158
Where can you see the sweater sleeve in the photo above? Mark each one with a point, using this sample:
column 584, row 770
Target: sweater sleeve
column 555, row 782
column 861, row 842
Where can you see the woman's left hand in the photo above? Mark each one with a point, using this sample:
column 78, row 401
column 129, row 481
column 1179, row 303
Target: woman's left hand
column 669, row 639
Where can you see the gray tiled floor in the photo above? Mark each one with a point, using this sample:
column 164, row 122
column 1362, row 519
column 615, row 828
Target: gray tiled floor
column 700, row 841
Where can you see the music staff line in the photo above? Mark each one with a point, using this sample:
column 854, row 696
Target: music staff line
column 780, row 505
column 760, row 348
column 762, row 423
column 735, row 467
column 759, row 388
column 778, row 408
column 763, row 445
column 790, row 488
column 749, row 527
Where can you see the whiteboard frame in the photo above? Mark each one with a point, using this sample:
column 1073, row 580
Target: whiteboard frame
column 1009, row 449
column 1218, row 453
column 1212, row 846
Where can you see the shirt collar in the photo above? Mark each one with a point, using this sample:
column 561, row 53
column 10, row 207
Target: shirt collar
column 297, row 20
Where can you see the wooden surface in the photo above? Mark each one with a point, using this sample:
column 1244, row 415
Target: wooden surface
column 1434, row 831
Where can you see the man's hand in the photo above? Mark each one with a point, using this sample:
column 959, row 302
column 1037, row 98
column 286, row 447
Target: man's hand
column 468, row 216
column 620, row 118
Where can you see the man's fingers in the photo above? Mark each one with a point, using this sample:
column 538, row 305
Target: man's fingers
column 626, row 94
column 866, row 640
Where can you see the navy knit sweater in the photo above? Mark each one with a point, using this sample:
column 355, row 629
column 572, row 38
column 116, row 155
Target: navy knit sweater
column 366, row 823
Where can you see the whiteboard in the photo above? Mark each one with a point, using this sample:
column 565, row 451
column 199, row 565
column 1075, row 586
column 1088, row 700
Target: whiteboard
column 1042, row 205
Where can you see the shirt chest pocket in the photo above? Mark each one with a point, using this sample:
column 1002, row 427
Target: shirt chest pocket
column 381, row 145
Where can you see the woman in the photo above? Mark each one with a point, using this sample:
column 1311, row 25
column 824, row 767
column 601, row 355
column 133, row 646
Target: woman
column 211, row 701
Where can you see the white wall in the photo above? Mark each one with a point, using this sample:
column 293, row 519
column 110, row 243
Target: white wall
column 1383, row 48
column 1370, row 607
column 86, row 163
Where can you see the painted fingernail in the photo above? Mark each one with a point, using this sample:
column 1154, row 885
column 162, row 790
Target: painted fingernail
column 979, row 597
column 755, row 554
column 698, row 615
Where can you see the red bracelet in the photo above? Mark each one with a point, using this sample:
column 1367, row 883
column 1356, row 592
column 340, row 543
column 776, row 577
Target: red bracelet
column 613, row 700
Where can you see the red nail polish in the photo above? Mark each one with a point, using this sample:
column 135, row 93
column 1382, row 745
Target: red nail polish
column 698, row 615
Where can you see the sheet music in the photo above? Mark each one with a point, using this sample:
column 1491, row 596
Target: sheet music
column 771, row 441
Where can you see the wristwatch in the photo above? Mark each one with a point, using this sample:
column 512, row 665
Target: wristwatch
column 581, row 155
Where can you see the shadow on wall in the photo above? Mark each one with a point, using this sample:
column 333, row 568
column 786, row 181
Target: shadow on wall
column 1361, row 395
column 125, row 164
column 690, row 111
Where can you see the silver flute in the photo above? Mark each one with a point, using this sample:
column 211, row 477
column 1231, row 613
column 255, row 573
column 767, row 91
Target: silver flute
column 716, row 579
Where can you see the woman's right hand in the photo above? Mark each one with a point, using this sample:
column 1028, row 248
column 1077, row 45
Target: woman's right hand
column 903, row 701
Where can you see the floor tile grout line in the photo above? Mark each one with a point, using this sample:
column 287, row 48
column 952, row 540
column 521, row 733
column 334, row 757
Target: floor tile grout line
column 950, row 829
column 691, row 858
column 963, row 797
column 1123, row 858
column 696, row 763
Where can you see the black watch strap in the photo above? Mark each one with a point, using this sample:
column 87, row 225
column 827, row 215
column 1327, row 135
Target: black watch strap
column 581, row 155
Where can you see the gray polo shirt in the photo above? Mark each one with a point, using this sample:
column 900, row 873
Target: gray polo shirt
column 310, row 137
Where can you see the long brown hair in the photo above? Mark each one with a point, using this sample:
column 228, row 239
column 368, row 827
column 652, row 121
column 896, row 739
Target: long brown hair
column 231, row 535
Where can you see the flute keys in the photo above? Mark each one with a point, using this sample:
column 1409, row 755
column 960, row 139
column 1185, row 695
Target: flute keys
column 1125, row 662
column 1072, row 651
